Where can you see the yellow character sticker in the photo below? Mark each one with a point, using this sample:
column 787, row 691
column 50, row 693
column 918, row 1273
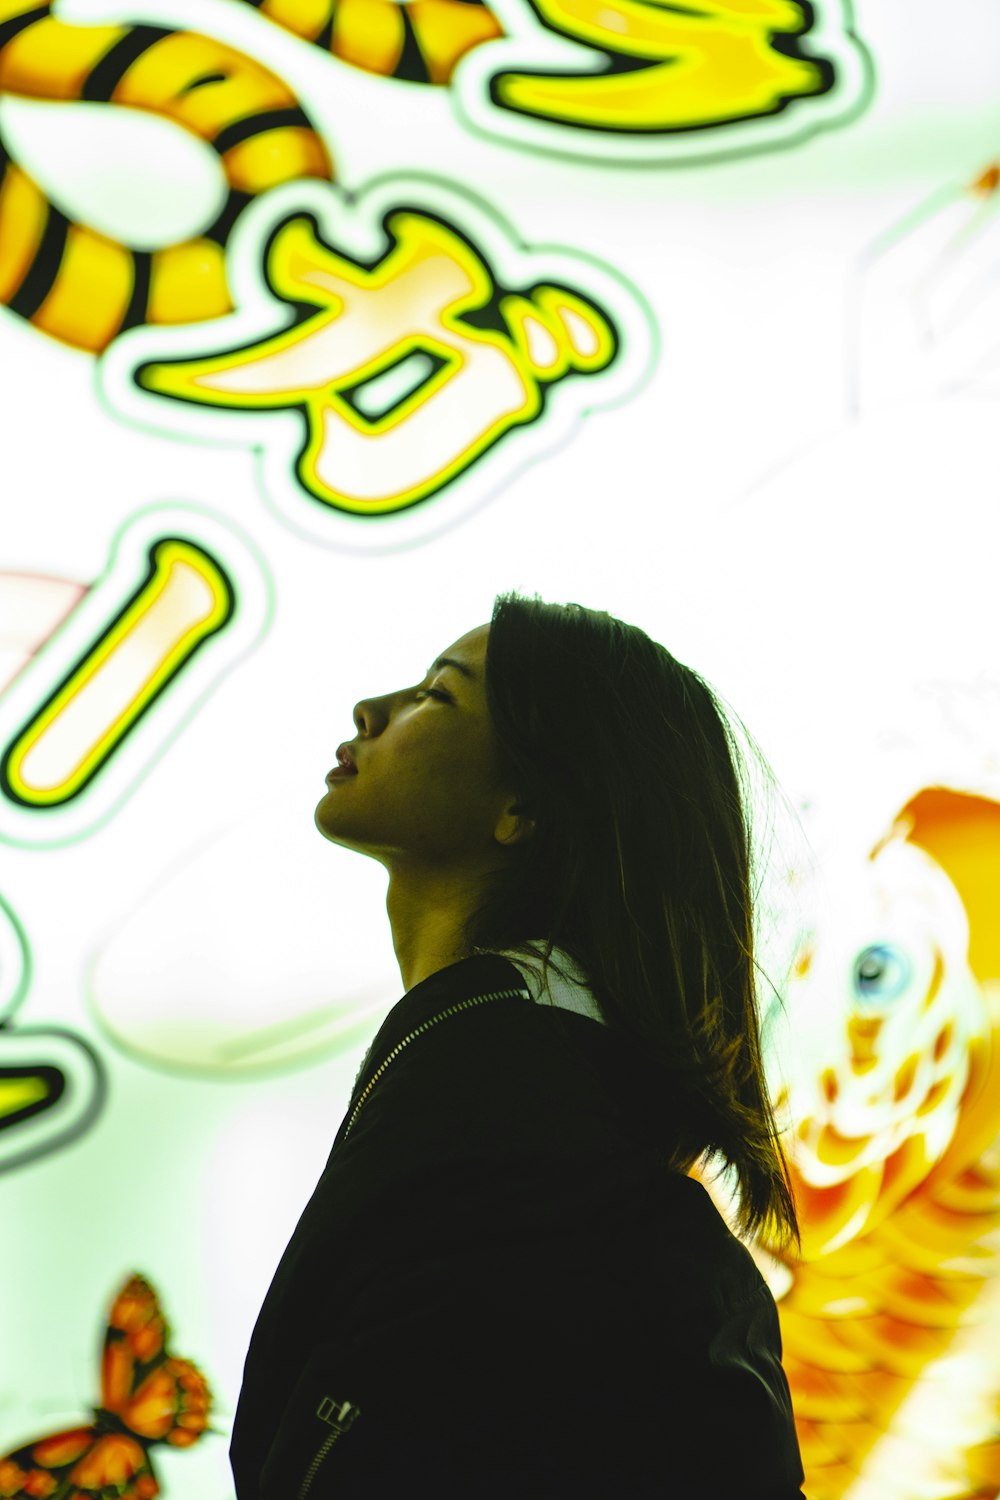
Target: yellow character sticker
column 640, row 80
column 387, row 352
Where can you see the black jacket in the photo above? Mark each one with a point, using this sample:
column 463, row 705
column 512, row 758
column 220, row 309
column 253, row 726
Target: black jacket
column 497, row 1290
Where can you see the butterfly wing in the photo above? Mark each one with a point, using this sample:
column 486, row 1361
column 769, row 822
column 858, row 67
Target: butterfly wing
column 157, row 1397
column 78, row 1461
column 134, row 1339
column 171, row 1405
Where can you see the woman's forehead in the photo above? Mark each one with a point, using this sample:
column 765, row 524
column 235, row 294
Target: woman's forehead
column 472, row 644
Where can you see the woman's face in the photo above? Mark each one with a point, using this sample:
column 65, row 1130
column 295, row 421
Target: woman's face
column 426, row 793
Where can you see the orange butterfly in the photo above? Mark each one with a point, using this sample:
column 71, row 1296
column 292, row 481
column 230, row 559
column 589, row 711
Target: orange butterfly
column 147, row 1396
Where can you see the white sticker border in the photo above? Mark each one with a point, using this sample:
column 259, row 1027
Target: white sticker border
column 529, row 46
column 352, row 223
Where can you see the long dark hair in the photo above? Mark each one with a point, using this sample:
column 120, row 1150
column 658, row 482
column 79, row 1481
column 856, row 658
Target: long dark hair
column 640, row 869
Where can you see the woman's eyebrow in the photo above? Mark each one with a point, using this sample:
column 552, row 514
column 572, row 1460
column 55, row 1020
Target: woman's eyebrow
column 449, row 661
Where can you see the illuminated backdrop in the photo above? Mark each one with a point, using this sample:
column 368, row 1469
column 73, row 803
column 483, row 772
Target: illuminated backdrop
column 323, row 321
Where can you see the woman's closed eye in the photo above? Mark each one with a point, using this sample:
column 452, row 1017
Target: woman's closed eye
column 434, row 693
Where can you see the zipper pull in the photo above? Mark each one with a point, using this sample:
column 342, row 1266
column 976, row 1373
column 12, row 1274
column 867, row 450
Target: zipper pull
column 338, row 1415
column 346, row 1412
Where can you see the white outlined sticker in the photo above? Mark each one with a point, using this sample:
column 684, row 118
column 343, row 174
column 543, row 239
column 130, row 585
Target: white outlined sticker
column 395, row 357
column 638, row 81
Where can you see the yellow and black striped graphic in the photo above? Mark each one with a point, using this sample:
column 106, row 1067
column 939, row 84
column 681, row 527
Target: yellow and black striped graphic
column 419, row 41
column 80, row 286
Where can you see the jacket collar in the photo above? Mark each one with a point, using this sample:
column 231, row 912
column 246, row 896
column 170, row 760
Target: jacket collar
column 567, row 984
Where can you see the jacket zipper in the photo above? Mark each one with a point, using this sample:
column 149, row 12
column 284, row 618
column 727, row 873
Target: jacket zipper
column 461, row 1005
column 346, row 1414
column 348, row 1411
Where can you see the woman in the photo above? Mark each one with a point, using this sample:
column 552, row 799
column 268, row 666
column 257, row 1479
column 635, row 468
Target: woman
column 505, row 1283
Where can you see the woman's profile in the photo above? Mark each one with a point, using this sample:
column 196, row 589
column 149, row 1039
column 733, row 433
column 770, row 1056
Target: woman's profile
column 506, row 1283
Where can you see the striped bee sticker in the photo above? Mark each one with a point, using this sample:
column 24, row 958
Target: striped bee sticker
column 80, row 286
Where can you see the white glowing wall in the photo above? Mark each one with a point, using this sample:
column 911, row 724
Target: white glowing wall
column 739, row 384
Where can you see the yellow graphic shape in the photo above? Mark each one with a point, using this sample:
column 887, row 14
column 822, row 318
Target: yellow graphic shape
column 183, row 601
column 706, row 66
column 420, row 41
column 557, row 331
column 17, row 1094
column 399, row 394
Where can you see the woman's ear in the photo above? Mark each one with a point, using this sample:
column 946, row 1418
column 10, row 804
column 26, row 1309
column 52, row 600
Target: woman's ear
column 513, row 825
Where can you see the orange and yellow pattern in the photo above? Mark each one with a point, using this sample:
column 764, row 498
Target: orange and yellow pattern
column 147, row 1396
column 890, row 1320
